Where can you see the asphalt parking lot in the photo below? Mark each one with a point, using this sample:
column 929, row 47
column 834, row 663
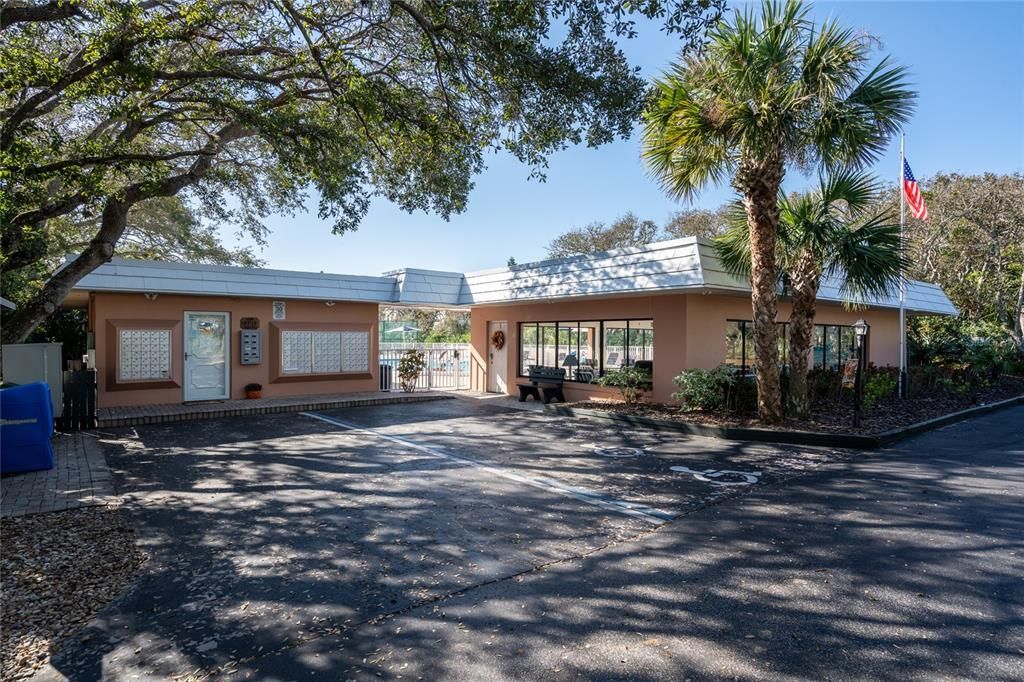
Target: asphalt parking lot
column 293, row 546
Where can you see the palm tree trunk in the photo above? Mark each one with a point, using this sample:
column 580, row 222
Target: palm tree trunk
column 759, row 183
column 1018, row 316
column 804, row 277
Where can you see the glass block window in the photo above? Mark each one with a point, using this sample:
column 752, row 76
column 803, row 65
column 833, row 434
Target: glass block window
column 144, row 354
column 324, row 352
column 296, row 352
column 355, row 351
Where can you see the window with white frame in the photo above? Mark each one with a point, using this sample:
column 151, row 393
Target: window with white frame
column 144, row 354
column 324, row 352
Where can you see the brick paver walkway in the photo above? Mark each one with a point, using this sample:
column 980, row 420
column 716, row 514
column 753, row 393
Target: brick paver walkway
column 109, row 417
column 80, row 478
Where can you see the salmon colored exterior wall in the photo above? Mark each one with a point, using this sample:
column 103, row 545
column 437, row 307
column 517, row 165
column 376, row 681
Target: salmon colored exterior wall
column 106, row 310
column 689, row 332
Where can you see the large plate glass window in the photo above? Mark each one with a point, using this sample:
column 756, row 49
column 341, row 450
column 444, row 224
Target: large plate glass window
column 615, row 352
column 739, row 344
column 585, row 349
column 831, row 345
column 529, row 347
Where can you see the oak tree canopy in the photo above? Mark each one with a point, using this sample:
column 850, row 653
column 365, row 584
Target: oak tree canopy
column 247, row 105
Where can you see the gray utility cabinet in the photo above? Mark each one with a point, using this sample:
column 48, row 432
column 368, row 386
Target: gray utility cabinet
column 25, row 363
column 251, row 348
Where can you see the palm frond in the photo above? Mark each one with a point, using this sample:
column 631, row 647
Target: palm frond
column 853, row 188
column 832, row 61
column 686, row 142
column 869, row 259
column 854, row 130
column 733, row 249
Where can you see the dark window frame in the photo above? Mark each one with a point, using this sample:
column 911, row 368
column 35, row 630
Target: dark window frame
column 832, row 337
column 599, row 344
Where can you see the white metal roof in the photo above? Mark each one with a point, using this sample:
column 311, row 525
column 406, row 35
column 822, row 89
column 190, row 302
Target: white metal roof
column 122, row 275
column 688, row 264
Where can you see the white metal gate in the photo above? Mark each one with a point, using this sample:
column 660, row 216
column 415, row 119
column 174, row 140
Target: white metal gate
column 447, row 365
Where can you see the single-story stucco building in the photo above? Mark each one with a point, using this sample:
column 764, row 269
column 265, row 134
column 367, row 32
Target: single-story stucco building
column 173, row 332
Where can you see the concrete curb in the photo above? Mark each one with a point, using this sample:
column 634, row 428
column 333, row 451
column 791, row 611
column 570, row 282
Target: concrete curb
column 838, row 440
column 217, row 411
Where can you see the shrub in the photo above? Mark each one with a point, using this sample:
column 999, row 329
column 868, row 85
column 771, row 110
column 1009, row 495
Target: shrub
column 631, row 382
column 253, row 387
column 824, row 384
column 702, row 389
column 410, row 366
column 741, row 395
column 879, row 386
column 985, row 349
column 954, row 386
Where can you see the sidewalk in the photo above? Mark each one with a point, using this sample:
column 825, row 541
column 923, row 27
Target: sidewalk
column 111, row 417
column 80, row 478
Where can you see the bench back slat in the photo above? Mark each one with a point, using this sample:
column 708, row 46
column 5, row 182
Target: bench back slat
column 547, row 375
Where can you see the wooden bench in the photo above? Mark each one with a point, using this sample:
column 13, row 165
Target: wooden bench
column 543, row 380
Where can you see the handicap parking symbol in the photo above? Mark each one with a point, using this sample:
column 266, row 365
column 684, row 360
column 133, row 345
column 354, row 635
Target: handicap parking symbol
column 617, row 452
column 721, row 477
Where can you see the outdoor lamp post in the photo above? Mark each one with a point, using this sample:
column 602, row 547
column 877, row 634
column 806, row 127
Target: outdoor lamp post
column 860, row 335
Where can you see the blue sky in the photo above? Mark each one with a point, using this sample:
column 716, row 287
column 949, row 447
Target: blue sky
column 966, row 61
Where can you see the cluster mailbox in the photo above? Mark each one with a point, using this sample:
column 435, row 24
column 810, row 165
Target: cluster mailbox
column 251, row 347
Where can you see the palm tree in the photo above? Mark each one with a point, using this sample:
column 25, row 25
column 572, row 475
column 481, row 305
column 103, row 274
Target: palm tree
column 768, row 91
column 828, row 232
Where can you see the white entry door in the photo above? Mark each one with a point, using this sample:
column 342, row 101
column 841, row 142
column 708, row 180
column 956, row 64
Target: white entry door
column 207, row 356
column 497, row 365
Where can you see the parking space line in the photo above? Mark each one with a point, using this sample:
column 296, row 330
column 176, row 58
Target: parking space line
column 650, row 514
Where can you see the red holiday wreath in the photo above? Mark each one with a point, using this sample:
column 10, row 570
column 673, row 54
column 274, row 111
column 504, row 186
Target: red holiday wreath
column 498, row 339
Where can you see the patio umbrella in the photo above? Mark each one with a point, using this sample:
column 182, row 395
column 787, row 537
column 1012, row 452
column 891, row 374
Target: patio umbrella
column 403, row 329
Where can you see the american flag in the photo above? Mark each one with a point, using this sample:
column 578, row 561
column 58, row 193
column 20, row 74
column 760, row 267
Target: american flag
column 913, row 193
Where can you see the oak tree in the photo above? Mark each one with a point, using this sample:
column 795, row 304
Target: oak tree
column 248, row 105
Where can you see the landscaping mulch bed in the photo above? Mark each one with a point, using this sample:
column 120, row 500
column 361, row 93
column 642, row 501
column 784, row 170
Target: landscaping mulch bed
column 57, row 570
column 830, row 416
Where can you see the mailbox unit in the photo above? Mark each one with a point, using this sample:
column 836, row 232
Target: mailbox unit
column 251, row 347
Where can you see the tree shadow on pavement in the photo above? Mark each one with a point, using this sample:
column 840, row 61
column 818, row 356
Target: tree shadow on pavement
column 307, row 552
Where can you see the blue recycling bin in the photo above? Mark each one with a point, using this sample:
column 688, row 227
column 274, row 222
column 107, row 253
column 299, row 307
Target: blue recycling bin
column 26, row 424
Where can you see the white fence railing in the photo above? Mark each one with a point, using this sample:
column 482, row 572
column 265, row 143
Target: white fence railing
column 447, row 365
column 614, row 356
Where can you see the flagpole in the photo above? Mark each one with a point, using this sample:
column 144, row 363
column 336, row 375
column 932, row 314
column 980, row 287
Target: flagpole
column 903, row 279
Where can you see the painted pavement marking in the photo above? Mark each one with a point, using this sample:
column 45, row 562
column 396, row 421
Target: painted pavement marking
column 650, row 514
column 712, row 475
column 619, row 452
